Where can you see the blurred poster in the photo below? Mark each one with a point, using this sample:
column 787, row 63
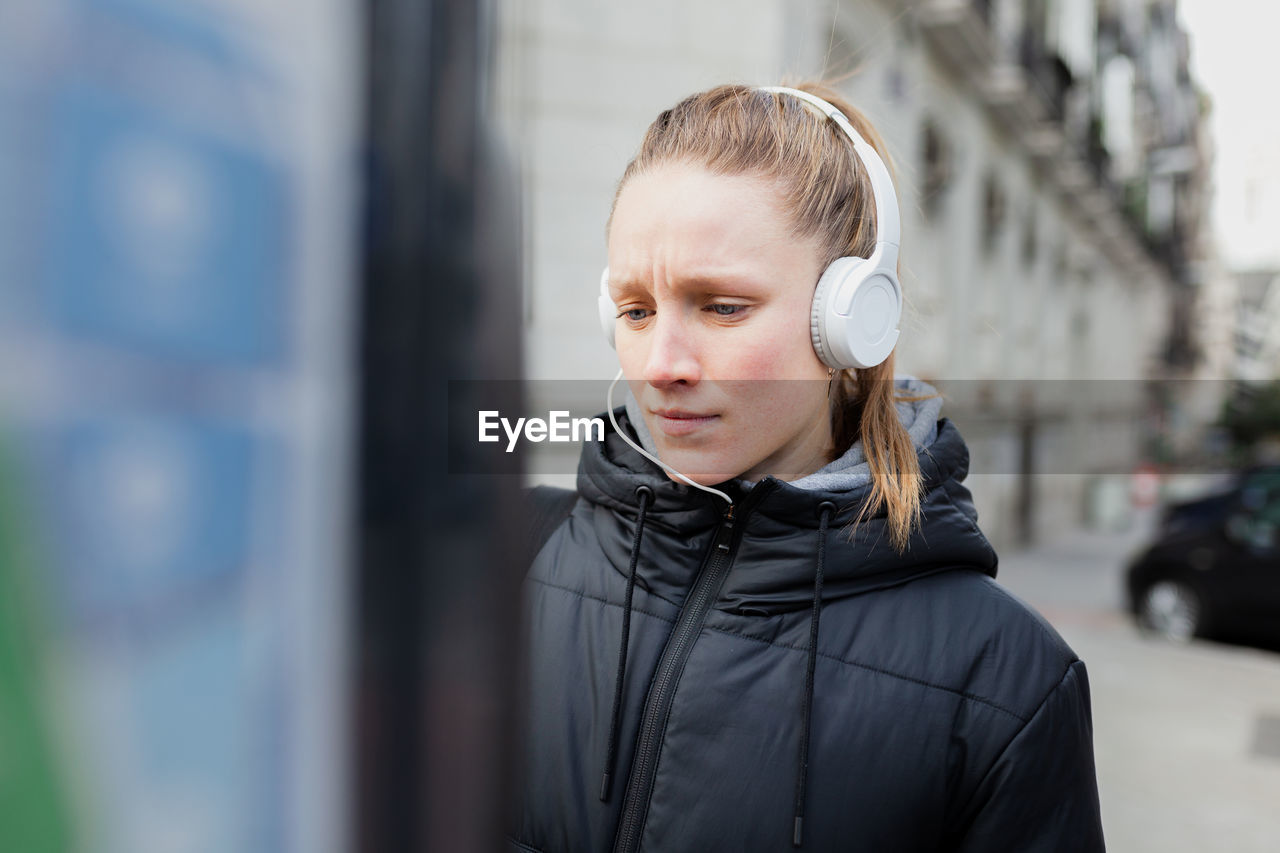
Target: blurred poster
column 177, row 251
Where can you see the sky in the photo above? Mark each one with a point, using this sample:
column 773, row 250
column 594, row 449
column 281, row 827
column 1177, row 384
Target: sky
column 1235, row 55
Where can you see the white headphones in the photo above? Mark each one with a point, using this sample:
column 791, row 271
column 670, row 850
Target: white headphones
column 858, row 301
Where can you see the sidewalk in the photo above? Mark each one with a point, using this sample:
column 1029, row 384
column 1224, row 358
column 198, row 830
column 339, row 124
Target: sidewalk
column 1182, row 735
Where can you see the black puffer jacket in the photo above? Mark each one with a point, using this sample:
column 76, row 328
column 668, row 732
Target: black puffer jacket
column 939, row 712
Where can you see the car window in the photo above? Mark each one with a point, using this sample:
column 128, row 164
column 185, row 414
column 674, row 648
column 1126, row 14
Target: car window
column 1259, row 526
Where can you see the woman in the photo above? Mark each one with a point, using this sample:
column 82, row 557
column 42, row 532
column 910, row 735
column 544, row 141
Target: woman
column 770, row 620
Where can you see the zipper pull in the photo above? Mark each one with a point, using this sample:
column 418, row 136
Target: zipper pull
column 727, row 528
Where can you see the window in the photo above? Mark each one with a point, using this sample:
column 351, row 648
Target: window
column 993, row 210
column 935, row 168
column 1030, row 241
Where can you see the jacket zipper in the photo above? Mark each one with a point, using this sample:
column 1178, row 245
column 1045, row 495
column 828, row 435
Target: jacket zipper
column 657, row 708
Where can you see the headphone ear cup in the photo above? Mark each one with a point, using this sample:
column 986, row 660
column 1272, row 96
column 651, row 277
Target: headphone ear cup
column 837, row 271
column 608, row 311
column 856, row 308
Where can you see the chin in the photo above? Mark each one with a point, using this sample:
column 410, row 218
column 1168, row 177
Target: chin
column 700, row 468
column 700, row 479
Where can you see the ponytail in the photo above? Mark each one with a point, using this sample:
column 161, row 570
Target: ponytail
column 864, row 406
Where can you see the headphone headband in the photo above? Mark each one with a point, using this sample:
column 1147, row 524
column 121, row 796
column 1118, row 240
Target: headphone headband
column 888, row 228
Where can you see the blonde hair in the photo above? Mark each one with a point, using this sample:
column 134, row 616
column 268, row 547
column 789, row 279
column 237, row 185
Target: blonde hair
column 740, row 130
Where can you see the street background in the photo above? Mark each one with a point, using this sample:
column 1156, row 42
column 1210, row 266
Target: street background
column 1186, row 737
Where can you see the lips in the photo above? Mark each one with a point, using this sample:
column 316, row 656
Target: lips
column 678, row 422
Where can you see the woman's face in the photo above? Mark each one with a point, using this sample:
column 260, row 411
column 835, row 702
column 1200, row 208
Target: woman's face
column 714, row 293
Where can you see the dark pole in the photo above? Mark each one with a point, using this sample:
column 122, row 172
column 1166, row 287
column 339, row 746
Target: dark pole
column 438, row 562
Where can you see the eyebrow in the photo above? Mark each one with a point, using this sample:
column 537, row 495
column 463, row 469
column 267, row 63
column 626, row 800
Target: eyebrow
column 628, row 285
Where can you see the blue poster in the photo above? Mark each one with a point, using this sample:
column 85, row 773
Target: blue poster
column 162, row 239
column 188, row 468
column 149, row 513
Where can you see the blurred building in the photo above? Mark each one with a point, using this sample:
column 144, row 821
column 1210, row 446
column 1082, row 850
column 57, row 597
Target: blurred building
column 1249, row 205
column 1257, row 338
column 1052, row 170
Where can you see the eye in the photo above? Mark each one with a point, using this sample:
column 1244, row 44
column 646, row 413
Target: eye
column 725, row 309
column 635, row 315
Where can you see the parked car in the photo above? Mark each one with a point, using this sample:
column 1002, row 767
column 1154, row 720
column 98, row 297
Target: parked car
column 1214, row 569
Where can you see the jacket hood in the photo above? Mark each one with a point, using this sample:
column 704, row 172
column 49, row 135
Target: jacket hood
column 780, row 525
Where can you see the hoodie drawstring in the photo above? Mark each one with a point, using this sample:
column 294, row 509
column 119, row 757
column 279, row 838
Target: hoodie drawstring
column 645, row 495
column 825, row 510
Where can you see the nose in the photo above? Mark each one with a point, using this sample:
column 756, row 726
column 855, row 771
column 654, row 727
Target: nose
column 673, row 355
